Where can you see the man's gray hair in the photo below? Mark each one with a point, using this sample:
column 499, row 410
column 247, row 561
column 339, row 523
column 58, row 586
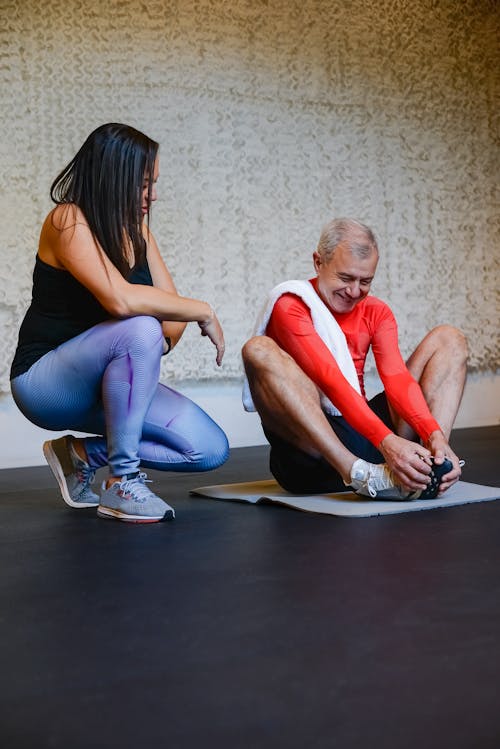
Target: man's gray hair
column 359, row 238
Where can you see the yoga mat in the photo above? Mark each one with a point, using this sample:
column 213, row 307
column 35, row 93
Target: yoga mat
column 344, row 504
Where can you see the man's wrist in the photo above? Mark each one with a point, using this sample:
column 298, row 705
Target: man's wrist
column 383, row 442
column 438, row 435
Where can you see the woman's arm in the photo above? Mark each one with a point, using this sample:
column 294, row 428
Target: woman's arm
column 67, row 242
column 162, row 280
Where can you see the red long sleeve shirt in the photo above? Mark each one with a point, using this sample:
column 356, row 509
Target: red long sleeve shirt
column 370, row 323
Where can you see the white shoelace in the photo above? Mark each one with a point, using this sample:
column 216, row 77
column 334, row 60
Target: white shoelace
column 137, row 488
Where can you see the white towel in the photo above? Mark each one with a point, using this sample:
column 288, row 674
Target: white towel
column 325, row 325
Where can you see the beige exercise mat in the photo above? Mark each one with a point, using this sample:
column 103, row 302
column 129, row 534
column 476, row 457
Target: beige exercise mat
column 346, row 504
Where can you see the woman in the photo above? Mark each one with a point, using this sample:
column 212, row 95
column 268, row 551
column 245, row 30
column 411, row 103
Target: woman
column 104, row 311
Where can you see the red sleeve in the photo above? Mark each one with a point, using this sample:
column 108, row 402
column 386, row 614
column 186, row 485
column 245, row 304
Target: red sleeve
column 402, row 390
column 292, row 328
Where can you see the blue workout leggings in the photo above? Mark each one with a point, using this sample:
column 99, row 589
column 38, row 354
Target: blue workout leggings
column 105, row 382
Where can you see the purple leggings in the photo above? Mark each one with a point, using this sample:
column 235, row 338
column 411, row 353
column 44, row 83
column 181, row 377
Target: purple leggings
column 105, row 382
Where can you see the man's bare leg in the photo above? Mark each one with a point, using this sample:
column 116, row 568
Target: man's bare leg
column 288, row 404
column 439, row 365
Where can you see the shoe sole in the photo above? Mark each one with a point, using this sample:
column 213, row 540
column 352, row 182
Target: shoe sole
column 387, row 497
column 438, row 471
column 110, row 514
column 58, row 473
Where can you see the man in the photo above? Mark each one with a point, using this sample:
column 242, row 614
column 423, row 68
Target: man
column 307, row 384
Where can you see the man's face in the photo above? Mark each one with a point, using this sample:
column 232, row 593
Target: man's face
column 346, row 279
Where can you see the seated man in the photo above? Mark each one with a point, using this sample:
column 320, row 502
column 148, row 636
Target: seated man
column 305, row 369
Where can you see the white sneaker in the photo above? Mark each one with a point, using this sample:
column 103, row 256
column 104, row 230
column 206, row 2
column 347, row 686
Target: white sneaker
column 377, row 480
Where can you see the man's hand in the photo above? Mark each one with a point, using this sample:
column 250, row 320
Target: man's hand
column 440, row 449
column 212, row 329
column 409, row 461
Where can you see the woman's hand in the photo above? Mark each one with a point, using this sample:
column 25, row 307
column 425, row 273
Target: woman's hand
column 212, row 328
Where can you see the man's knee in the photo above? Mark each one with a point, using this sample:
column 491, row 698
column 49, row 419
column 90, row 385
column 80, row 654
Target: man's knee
column 451, row 338
column 260, row 352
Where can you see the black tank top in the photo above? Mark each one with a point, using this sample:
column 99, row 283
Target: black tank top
column 61, row 308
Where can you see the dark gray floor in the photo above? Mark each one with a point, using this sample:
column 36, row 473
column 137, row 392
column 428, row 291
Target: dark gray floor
column 243, row 626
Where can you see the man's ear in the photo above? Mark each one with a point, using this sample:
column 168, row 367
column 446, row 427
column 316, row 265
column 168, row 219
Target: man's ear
column 317, row 261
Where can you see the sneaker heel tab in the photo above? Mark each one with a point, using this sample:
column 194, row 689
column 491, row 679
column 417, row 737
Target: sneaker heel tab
column 129, row 476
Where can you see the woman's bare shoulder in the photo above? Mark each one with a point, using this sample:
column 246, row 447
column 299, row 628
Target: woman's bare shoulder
column 65, row 223
column 65, row 216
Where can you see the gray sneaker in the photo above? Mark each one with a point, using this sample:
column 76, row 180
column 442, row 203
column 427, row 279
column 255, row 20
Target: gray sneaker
column 73, row 474
column 132, row 501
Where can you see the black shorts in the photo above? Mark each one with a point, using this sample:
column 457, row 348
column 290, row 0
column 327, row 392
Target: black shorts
column 300, row 473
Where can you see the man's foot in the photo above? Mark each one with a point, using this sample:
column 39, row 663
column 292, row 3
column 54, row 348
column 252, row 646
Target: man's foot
column 437, row 473
column 73, row 474
column 377, row 481
column 131, row 500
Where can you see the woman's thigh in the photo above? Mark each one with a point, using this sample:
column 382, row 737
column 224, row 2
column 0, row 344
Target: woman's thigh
column 63, row 389
column 59, row 393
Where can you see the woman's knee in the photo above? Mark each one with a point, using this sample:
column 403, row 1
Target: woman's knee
column 208, row 448
column 140, row 334
column 187, row 430
column 216, row 450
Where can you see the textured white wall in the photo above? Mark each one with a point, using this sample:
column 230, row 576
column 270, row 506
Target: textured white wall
column 273, row 117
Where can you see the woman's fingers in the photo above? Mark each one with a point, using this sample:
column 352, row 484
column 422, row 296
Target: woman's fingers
column 212, row 328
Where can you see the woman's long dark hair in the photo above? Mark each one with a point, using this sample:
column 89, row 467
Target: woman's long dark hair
column 105, row 180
